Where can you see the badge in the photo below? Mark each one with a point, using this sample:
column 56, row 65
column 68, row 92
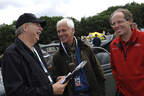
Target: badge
column 77, row 81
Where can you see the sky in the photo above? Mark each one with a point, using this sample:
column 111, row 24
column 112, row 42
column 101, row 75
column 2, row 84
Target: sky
column 10, row 10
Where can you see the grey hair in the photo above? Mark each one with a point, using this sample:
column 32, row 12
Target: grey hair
column 68, row 21
column 19, row 30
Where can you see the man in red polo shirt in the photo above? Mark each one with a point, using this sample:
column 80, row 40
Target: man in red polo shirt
column 127, row 55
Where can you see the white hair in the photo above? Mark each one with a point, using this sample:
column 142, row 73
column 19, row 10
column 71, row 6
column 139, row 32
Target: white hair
column 68, row 21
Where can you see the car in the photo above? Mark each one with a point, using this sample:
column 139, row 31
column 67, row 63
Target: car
column 48, row 51
column 103, row 57
column 2, row 91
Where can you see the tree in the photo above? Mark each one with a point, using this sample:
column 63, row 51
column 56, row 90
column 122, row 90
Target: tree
column 98, row 22
column 7, row 36
column 49, row 34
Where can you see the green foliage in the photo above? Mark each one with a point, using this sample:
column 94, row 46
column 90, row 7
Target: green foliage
column 137, row 11
column 99, row 23
column 49, row 33
column 6, row 36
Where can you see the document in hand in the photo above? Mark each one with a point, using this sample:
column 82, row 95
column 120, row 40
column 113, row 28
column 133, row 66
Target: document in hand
column 71, row 74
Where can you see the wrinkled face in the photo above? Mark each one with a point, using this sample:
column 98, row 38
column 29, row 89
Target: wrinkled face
column 65, row 34
column 33, row 31
column 119, row 24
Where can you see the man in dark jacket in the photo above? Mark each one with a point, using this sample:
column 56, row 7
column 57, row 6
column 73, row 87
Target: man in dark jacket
column 96, row 41
column 89, row 81
column 23, row 67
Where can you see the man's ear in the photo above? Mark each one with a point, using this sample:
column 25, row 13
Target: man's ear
column 131, row 21
column 24, row 26
column 73, row 30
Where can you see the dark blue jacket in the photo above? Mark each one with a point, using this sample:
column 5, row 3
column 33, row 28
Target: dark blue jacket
column 96, row 41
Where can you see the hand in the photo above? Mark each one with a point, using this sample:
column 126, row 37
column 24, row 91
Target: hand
column 60, row 78
column 58, row 88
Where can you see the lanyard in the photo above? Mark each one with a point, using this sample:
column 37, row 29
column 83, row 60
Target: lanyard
column 77, row 50
column 42, row 65
column 78, row 54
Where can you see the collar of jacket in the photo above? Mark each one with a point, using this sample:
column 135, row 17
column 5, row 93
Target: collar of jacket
column 20, row 43
column 23, row 47
column 27, row 53
column 80, row 44
column 132, row 40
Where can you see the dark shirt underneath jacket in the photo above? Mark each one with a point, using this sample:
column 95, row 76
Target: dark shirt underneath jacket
column 22, row 72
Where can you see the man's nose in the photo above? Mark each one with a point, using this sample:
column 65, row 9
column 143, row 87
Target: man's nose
column 60, row 33
column 41, row 28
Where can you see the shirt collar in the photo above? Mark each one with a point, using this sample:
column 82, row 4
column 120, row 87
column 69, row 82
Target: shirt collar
column 132, row 39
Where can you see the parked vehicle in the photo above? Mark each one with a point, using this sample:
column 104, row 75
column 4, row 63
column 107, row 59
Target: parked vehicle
column 48, row 51
column 103, row 57
column 2, row 92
